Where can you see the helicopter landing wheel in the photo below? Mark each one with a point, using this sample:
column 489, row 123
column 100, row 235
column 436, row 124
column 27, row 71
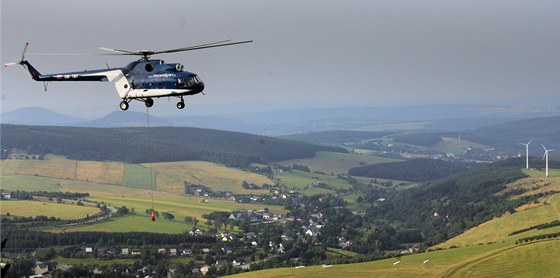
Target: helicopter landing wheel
column 124, row 105
column 149, row 102
column 180, row 105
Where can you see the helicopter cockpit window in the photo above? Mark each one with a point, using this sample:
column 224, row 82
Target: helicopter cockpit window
column 149, row 67
column 182, row 82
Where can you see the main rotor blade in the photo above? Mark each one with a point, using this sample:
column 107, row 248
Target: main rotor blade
column 202, row 46
column 70, row 54
column 119, row 51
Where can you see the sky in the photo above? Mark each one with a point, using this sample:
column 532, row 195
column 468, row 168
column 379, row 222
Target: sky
column 305, row 53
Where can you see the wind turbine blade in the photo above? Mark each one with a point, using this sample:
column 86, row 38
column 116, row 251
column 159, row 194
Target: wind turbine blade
column 530, row 141
column 543, row 147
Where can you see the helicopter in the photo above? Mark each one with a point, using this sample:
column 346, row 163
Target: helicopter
column 142, row 80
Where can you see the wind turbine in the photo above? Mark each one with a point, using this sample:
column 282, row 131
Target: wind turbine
column 545, row 156
column 527, row 152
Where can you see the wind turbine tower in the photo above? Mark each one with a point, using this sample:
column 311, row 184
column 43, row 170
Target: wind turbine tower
column 527, row 153
column 545, row 157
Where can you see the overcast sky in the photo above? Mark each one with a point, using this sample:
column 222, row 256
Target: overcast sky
column 305, row 53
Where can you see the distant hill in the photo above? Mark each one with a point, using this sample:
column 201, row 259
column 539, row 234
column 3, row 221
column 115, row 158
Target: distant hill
column 156, row 144
column 428, row 118
column 508, row 135
column 126, row 119
column 38, row 116
column 335, row 136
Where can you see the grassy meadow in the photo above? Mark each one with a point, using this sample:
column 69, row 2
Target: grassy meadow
column 455, row 146
column 60, row 174
column 31, row 208
column 132, row 185
column 444, row 263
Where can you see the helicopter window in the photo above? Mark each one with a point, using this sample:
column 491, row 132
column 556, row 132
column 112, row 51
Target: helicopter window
column 149, row 67
column 181, row 82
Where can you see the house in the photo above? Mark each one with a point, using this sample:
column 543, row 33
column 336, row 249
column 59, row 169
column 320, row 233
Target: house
column 124, row 251
column 113, row 251
column 40, row 268
column 195, row 232
column 254, row 244
column 250, row 235
column 89, row 250
column 173, row 252
column 187, row 252
column 248, row 216
column 5, row 195
column 135, row 252
column 161, row 251
column 205, row 250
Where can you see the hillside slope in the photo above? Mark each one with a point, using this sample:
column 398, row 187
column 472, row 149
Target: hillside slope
column 157, row 144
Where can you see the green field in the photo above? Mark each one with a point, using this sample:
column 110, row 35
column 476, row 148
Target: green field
column 34, row 208
column 538, row 259
column 337, row 163
column 302, row 182
column 439, row 263
column 93, row 261
column 455, row 146
column 30, row 183
column 139, row 176
column 129, row 223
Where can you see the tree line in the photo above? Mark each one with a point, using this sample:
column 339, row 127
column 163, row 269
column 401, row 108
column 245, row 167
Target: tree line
column 156, row 144
column 416, row 170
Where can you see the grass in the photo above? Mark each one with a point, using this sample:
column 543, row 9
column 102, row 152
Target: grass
column 93, row 261
column 302, row 181
column 536, row 182
column 100, row 172
column 444, row 263
column 538, row 259
column 34, row 208
column 138, row 176
column 167, row 176
column 30, row 183
column 172, row 175
column 129, row 223
column 455, row 146
column 497, row 230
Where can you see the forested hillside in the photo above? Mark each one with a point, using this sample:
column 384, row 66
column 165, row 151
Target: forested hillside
column 413, row 170
column 447, row 207
column 155, row 144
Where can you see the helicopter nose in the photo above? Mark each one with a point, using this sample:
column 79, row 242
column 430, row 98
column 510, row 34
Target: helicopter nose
column 200, row 86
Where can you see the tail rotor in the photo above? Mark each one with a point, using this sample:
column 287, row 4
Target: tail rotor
column 22, row 57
